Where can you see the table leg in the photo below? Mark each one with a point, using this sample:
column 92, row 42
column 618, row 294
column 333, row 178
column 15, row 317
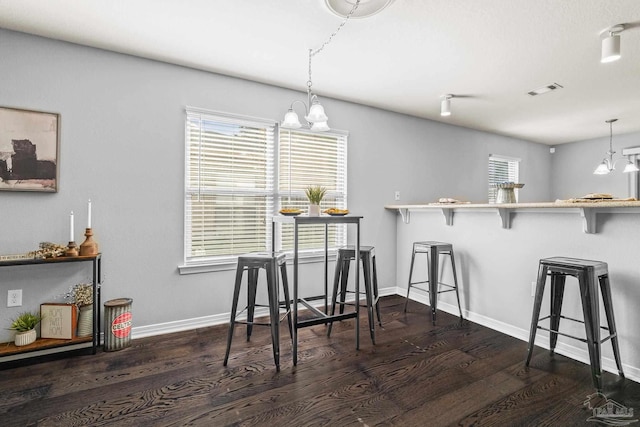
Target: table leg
column 294, row 338
column 326, row 267
column 357, row 255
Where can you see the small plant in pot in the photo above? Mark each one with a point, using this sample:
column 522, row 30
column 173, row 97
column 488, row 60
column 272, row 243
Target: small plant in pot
column 24, row 325
column 82, row 296
column 315, row 194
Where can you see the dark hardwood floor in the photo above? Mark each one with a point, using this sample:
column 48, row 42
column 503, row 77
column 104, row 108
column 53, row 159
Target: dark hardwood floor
column 456, row 373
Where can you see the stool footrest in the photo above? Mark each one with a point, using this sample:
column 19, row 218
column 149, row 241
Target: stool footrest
column 453, row 288
column 604, row 328
column 362, row 304
column 246, row 322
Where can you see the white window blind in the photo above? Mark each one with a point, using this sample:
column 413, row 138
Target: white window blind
column 312, row 159
column 229, row 186
column 240, row 172
column 502, row 169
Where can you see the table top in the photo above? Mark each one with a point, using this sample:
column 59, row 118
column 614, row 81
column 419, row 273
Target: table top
column 322, row 219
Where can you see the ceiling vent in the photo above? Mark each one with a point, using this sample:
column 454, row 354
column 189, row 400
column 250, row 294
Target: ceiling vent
column 545, row 89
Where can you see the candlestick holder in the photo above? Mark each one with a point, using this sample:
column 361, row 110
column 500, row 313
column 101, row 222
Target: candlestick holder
column 89, row 247
column 72, row 250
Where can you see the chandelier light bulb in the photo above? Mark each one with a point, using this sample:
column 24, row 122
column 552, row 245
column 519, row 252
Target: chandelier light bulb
column 291, row 120
column 316, row 113
column 630, row 167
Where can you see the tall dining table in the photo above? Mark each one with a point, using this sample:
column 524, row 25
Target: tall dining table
column 317, row 316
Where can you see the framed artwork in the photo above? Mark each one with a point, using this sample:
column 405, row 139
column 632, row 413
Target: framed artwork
column 29, row 147
column 58, row 320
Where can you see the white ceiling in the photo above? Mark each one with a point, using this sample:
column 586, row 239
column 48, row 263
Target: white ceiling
column 489, row 53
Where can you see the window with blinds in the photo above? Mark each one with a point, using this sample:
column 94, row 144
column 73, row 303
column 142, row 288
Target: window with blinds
column 502, row 169
column 240, row 172
column 229, row 186
column 312, row 159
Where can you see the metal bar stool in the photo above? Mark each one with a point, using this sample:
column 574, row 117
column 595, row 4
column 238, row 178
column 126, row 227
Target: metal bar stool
column 252, row 263
column 589, row 274
column 433, row 250
column 341, row 276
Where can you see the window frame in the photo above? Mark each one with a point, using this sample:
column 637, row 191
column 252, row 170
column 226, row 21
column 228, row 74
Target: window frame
column 512, row 163
column 227, row 262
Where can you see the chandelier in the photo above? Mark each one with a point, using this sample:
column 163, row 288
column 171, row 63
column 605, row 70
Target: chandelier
column 315, row 116
column 608, row 165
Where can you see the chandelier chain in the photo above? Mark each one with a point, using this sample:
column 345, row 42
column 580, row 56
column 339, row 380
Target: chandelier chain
column 313, row 52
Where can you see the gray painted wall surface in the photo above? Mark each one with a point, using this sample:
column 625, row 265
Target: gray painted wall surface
column 122, row 145
column 572, row 167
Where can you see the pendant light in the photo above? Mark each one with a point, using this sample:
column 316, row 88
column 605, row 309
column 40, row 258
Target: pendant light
column 608, row 165
column 315, row 116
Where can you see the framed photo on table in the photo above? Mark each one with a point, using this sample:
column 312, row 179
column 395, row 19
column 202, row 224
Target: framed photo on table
column 58, row 320
column 29, row 147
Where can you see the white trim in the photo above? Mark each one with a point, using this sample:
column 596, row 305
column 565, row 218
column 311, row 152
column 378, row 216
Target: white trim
column 230, row 263
column 233, row 118
column 504, row 158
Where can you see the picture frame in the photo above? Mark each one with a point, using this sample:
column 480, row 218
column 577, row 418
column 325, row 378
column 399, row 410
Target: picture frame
column 29, row 150
column 59, row 320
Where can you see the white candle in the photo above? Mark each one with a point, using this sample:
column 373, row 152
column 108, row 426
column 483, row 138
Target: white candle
column 71, row 227
column 89, row 215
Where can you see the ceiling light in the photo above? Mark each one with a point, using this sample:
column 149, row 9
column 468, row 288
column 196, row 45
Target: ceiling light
column 608, row 165
column 366, row 8
column 545, row 89
column 611, row 44
column 630, row 167
column 445, row 105
column 314, row 111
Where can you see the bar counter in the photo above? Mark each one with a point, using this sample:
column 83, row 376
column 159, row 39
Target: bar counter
column 586, row 210
column 497, row 266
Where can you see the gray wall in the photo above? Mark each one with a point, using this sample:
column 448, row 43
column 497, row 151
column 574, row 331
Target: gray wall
column 122, row 145
column 573, row 164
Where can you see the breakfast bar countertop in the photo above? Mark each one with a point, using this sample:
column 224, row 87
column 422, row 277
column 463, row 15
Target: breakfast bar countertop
column 588, row 209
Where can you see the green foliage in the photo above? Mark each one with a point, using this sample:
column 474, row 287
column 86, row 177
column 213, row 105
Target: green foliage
column 25, row 321
column 315, row 194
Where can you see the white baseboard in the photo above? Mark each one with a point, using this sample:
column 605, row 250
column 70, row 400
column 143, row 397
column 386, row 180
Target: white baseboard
column 575, row 353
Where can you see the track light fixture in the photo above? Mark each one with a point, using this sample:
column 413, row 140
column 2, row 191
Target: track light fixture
column 445, row 105
column 611, row 44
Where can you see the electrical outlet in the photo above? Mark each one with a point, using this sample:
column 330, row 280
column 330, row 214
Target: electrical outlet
column 397, row 195
column 14, row 298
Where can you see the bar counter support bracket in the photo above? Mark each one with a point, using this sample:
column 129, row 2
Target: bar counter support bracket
column 588, row 220
column 405, row 214
column 448, row 215
column 505, row 216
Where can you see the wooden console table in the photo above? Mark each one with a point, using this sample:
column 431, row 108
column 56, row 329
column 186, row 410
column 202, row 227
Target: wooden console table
column 9, row 352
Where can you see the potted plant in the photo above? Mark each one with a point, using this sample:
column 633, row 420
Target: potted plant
column 315, row 194
column 82, row 295
column 24, row 325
